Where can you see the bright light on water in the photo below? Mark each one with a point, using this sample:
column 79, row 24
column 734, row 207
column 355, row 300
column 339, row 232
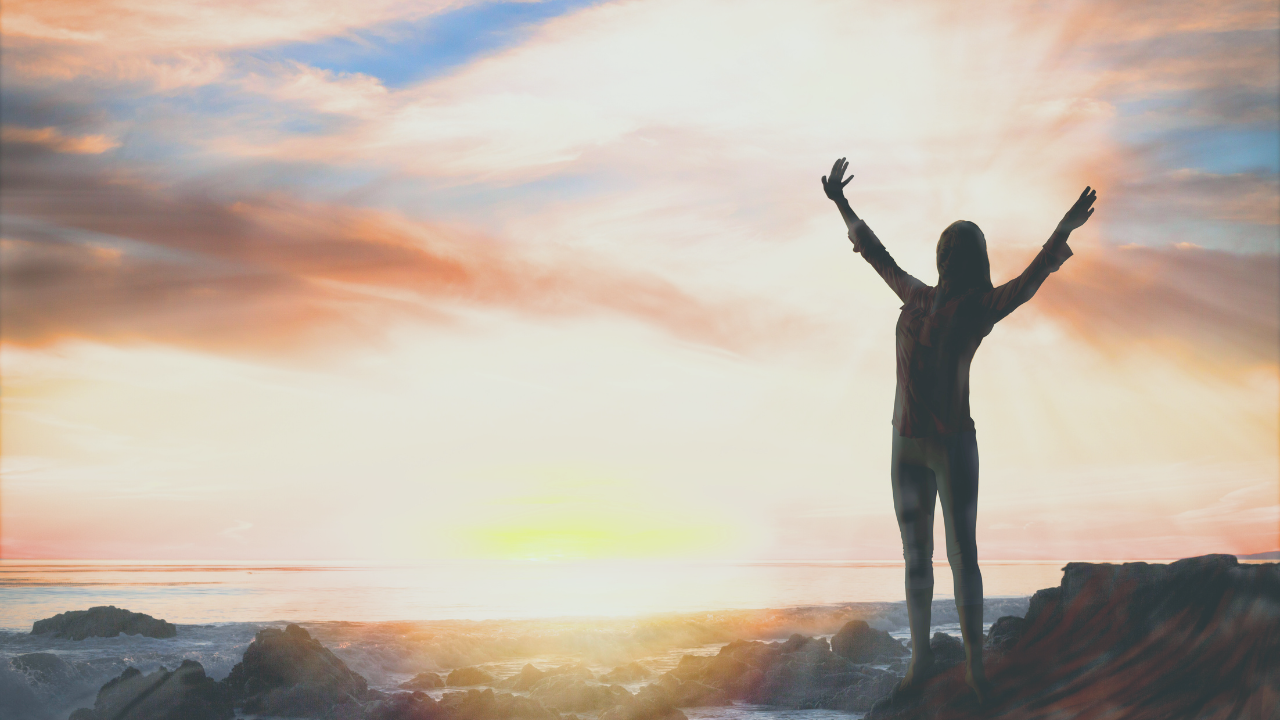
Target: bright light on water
column 204, row 592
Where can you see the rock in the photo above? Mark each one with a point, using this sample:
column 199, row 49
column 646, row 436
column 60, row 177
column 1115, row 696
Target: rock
column 18, row 700
column 811, row 677
column 1004, row 633
column 632, row 672
column 43, row 667
column 405, row 706
column 568, row 693
column 525, row 679
column 462, row 677
column 102, row 621
column 858, row 642
column 643, row 709
column 871, row 685
column 289, row 673
column 423, row 681
column 579, row 671
column 488, row 705
column 1193, row 638
column 947, row 650
column 800, row 643
column 689, row 693
column 184, row 694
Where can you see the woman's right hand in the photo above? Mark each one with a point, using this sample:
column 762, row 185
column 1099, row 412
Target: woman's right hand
column 1079, row 212
column 833, row 187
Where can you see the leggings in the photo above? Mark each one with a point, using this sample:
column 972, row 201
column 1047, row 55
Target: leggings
column 945, row 467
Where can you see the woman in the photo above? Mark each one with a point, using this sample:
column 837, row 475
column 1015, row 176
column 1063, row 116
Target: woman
column 935, row 450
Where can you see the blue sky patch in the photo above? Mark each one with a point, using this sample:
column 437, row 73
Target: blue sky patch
column 405, row 53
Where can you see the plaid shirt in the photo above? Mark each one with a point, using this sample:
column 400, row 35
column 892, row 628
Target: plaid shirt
column 936, row 347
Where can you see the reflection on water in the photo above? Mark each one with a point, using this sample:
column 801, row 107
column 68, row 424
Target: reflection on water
column 206, row 592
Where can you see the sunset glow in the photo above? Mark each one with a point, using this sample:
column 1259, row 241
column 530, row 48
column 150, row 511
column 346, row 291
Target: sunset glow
column 557, row 281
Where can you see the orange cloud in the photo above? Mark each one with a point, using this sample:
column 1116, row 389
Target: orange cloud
column 180, row 265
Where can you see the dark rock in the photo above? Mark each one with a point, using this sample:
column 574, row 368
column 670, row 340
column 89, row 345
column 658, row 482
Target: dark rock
column 800, row 643
column 858, row 642
column 289, row 673
column 423, row 681
column 871, row 685
column 525, row 679
column 43, row 667
column 632, row 672
column 689, row 693
column 405, row 706
column 488, row 705
column 805, row 679
column 462, row 677
column 1193, row 638
column 646, row 708
column 1005, row 633
column 569, row 693
column 184, row 694
column 102, row 621
column 947, row 650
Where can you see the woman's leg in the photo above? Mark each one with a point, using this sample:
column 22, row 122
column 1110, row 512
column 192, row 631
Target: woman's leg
column 914, row 494
column 956, row 473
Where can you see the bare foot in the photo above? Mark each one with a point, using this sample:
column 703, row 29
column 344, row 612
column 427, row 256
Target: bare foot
column 979, row 684
column 918, row 670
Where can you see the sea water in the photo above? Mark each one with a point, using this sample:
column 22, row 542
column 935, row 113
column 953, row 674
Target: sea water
column 391, row 621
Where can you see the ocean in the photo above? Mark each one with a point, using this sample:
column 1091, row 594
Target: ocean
column 391, row 621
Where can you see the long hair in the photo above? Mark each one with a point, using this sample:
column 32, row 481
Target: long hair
column 962, row 261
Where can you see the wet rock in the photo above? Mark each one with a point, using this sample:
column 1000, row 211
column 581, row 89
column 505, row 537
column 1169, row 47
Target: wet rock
column 405, row 706
column 800, row 643
column 102, row 621
column 525, row 679
column 862, row 694
column 809, row 679
column 289, row 673
column 488, row 705
column 423, row 681
column 462, row 677
column 184, row 694
column 688, row 693
column 632, row 672
column 569, row 693
column 858, row 642
column 643, row 708
column 44, row 667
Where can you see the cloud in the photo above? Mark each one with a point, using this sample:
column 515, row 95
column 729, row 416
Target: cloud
column 93, row 252
column 53, row 139
column 1216, row 307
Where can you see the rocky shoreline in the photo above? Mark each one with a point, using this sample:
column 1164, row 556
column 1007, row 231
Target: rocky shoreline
column 1195, row 638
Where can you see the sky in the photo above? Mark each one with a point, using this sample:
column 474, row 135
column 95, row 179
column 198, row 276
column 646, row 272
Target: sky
column 556, row 280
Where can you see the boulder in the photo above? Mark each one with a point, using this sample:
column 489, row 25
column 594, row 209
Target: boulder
column 688, row 693
column 525, row 679
column 1005, row 633
column 568, row 693
column 1193, row 638
column 463, row 677
column 405, row 706
column 632, row 672
column 643, row 708
column 184, row 694
column 488, row 705
column 102, row 621
column 44, row 667
column 858, row 642
column 286, row 672
column 423, row 681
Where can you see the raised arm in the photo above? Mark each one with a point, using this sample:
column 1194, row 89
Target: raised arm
column 1001, row 301
column 865, row 241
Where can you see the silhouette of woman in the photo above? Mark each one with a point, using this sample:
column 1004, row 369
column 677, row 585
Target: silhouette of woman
column 935, row 449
